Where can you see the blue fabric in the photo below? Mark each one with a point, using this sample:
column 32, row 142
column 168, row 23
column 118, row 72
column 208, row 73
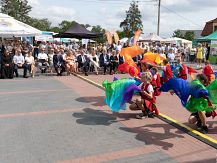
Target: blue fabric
column 179, row 86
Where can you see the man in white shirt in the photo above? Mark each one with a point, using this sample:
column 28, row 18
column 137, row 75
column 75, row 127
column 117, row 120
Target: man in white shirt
column 171, row 56
column 43, row 61
column 119, row 46
column 19, row 61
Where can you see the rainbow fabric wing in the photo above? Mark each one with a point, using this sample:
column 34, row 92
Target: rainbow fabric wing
column 196, row 101
column 119, row 92
column 212, row 89
column 152, row 58
column 196, row 90
column 179, row 86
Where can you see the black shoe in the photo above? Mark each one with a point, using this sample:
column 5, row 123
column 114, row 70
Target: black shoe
column 199, row 124
column 150, row 115
column 25, row 76
column 86, row 74
column 204, row 129
column 140, row 116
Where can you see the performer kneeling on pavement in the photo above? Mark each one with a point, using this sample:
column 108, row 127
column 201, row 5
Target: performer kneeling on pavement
column 147, row 101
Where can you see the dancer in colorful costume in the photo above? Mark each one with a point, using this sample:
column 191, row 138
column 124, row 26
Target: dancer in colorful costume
column 202, row 100
column 147, row 101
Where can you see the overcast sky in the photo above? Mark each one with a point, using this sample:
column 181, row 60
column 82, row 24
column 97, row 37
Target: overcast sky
column 175, row 14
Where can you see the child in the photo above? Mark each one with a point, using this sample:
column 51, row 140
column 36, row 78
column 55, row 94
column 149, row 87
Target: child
column 182, row 70
column 167, row 71
column 208, row 71
column 156, row 81
column 147, row 101
column 198, row 116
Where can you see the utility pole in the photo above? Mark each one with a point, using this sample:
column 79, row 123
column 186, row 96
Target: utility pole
column 158, row 21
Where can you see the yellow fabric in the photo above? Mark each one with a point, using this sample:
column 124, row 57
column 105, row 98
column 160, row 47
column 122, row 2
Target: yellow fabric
column 200, row 53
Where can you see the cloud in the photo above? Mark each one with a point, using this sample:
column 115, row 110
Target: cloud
column 33, row 2
column 54, row 13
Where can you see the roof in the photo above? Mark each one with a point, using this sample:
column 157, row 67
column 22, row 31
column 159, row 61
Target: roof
column 208, row 29
column 212, row 36
column 78, row 31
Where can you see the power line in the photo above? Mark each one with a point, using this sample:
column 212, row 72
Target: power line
column 184, row 18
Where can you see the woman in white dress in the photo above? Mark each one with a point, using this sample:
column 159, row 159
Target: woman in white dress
column 30, row 62
column 94, row 61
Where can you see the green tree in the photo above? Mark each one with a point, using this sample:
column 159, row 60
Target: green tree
column 19, row 9
column 41, row 24
column 65, row 25
column 55, row 29
column 178, row 33
column 99, row 29
column 133, row 20
column 121, row 34
column 189, row 35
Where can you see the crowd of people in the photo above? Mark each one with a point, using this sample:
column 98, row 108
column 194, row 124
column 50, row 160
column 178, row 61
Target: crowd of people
column 72, row 57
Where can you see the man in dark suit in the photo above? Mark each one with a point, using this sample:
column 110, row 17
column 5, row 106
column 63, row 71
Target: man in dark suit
column 104, row 60
column 58, row 63
column 83, row 62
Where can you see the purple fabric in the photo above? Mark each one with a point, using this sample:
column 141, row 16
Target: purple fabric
column 129, row 92
column 115, row 78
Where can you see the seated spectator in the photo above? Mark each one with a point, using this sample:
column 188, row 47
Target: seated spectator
column 83, row 62
column 30, row 63
column 58, row 63
column 43, row 61
column 19, row 61
column 104, row 60
column 70, row 62
column 6, row 65
column 50, row 58
column 94, row 61
column 113, row 62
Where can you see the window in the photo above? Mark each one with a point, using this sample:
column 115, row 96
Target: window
column 215, row 28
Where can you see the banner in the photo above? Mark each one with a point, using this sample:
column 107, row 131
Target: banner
column 213, row 47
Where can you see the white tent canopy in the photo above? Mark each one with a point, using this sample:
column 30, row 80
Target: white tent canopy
column 10, row 27
column 176, row 40
column 123, row 40
column 152, row 37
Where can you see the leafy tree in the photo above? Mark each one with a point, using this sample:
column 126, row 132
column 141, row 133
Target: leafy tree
column 178, row 33
column 19, row 9
column 55, row 29
column 65, row 25
column 99, row 29
column 189, row 35
column 121, row 34
column 133, row 20
column 41, row 24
